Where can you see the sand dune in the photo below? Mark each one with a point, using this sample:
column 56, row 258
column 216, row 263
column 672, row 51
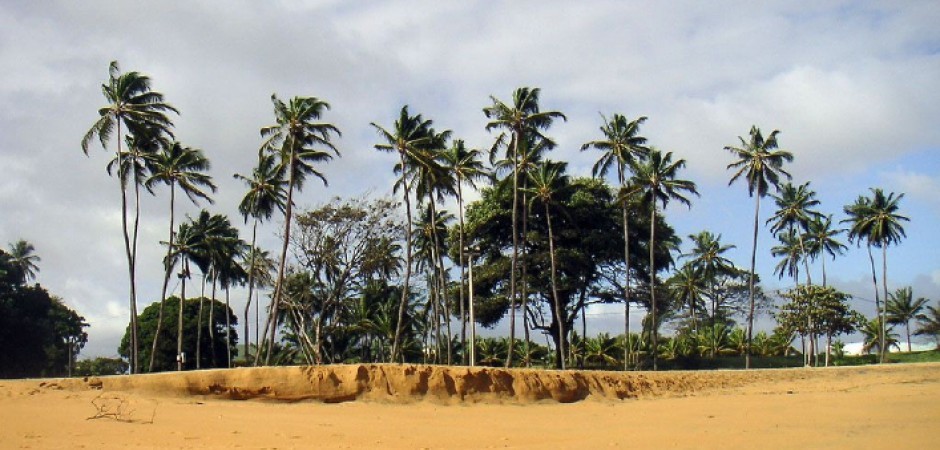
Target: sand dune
column 393, row 406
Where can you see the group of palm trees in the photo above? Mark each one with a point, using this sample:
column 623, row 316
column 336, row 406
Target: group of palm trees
column 431, row 167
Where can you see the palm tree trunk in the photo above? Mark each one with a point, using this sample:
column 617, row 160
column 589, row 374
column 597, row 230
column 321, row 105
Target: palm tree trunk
column 442, row 282
column 228, row 329
column 750, row 282
column 809, row 277
column 211, row 324
column 130, row 259
column 874, row 280
column 558, row 310
column 251, row 285
column 134, row 266
column 179, row 322
column 515, row 246
column 202, row 296
column 166, row 280
column 653, row 323
column 822, row 257
column 525, row 283
column 463, row 317
column 278, row 286
column 404, row 292
column 626, row 284
column 884, row 305
column 828, row 346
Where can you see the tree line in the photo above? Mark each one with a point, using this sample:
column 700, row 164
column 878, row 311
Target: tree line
column 389, row 279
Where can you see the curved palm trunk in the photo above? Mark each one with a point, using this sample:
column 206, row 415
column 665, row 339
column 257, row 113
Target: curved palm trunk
column 211, row 321
column 228, row 329
column 404, row 292
column 179, row 319
column 515, row 248
column 166, row 280
column 463, row 318
column 750, row 283
column 653, row 323
column 134, row 266
column 524, row 281
column 199, row 326
column 130, row 258
column 558, row 310
column 278, row 287
column 251, row 287
column 809, row 277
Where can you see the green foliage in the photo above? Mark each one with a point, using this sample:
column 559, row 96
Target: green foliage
column 100, row 366
column 165, row 358
column 39, row 335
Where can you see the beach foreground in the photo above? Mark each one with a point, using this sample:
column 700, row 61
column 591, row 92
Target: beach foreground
column 390, row 406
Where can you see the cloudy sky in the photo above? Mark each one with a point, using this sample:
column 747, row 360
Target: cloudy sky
column 854, row 88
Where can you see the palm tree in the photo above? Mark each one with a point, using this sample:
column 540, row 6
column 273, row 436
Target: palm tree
column 131, row 104
column 186, row 249
column 687, row 285
column 411, row 137
column 622, row 146
column 902, row 308
column 300, row 142
column 929, row 323
column 655, row 179
column 548, row 183
column 259, row 265
column 176, row 166
column 794, row 212
column 822, row 239
column 761, row 165
column 706, row 258
column 524, row 121
column 878, row 222
column 466, row 166
column 858, row 231
column 789, row 248
column 875, row 333
column 24, row 258
column 266, row 193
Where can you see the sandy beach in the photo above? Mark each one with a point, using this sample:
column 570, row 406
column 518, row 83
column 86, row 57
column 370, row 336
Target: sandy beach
column 389, row 406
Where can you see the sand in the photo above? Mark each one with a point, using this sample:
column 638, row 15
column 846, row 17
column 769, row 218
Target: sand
column 391, row 406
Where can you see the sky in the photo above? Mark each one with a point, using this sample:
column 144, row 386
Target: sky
column 853, row 87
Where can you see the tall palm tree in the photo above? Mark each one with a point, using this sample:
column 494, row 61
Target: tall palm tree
column 411, row 137
column 184, row 167
column 857, row 213
column 877, row 220
column 656, row 179
column 929, row 323
column 23, row 256
column 822, row 239
column 260, row 267
column 300, row 141
column 134, row 106
column 186, row 248
column 707, row 258
column 548, row 183
column 266, row 192
column 622, row 147
column 466, row 167
column 524, row 120
column 902, row 308
column 795, row 212
column 761, row 165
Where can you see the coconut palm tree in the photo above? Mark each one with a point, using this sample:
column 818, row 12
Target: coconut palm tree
column 412, row 137
column 791, row 252
column 656, row 180
column 622, row 147
column 524, row 120
column 266, row 192
column 132, row 109
column 23, row 256
column 857, row 213
column 546, row 185
column 821, row 239
column 186, row 248
column 761, row 165
column 707, row 258
column 876, row 219
column 260, row 267
column 687, row 285
column 300, row 142
column 466, row 167
column 902, row 308
column 929, row 323
column 795, row 212
column 875, row 333
column 183, row 167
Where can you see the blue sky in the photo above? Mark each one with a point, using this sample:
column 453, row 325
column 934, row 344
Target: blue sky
column 854, row 88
